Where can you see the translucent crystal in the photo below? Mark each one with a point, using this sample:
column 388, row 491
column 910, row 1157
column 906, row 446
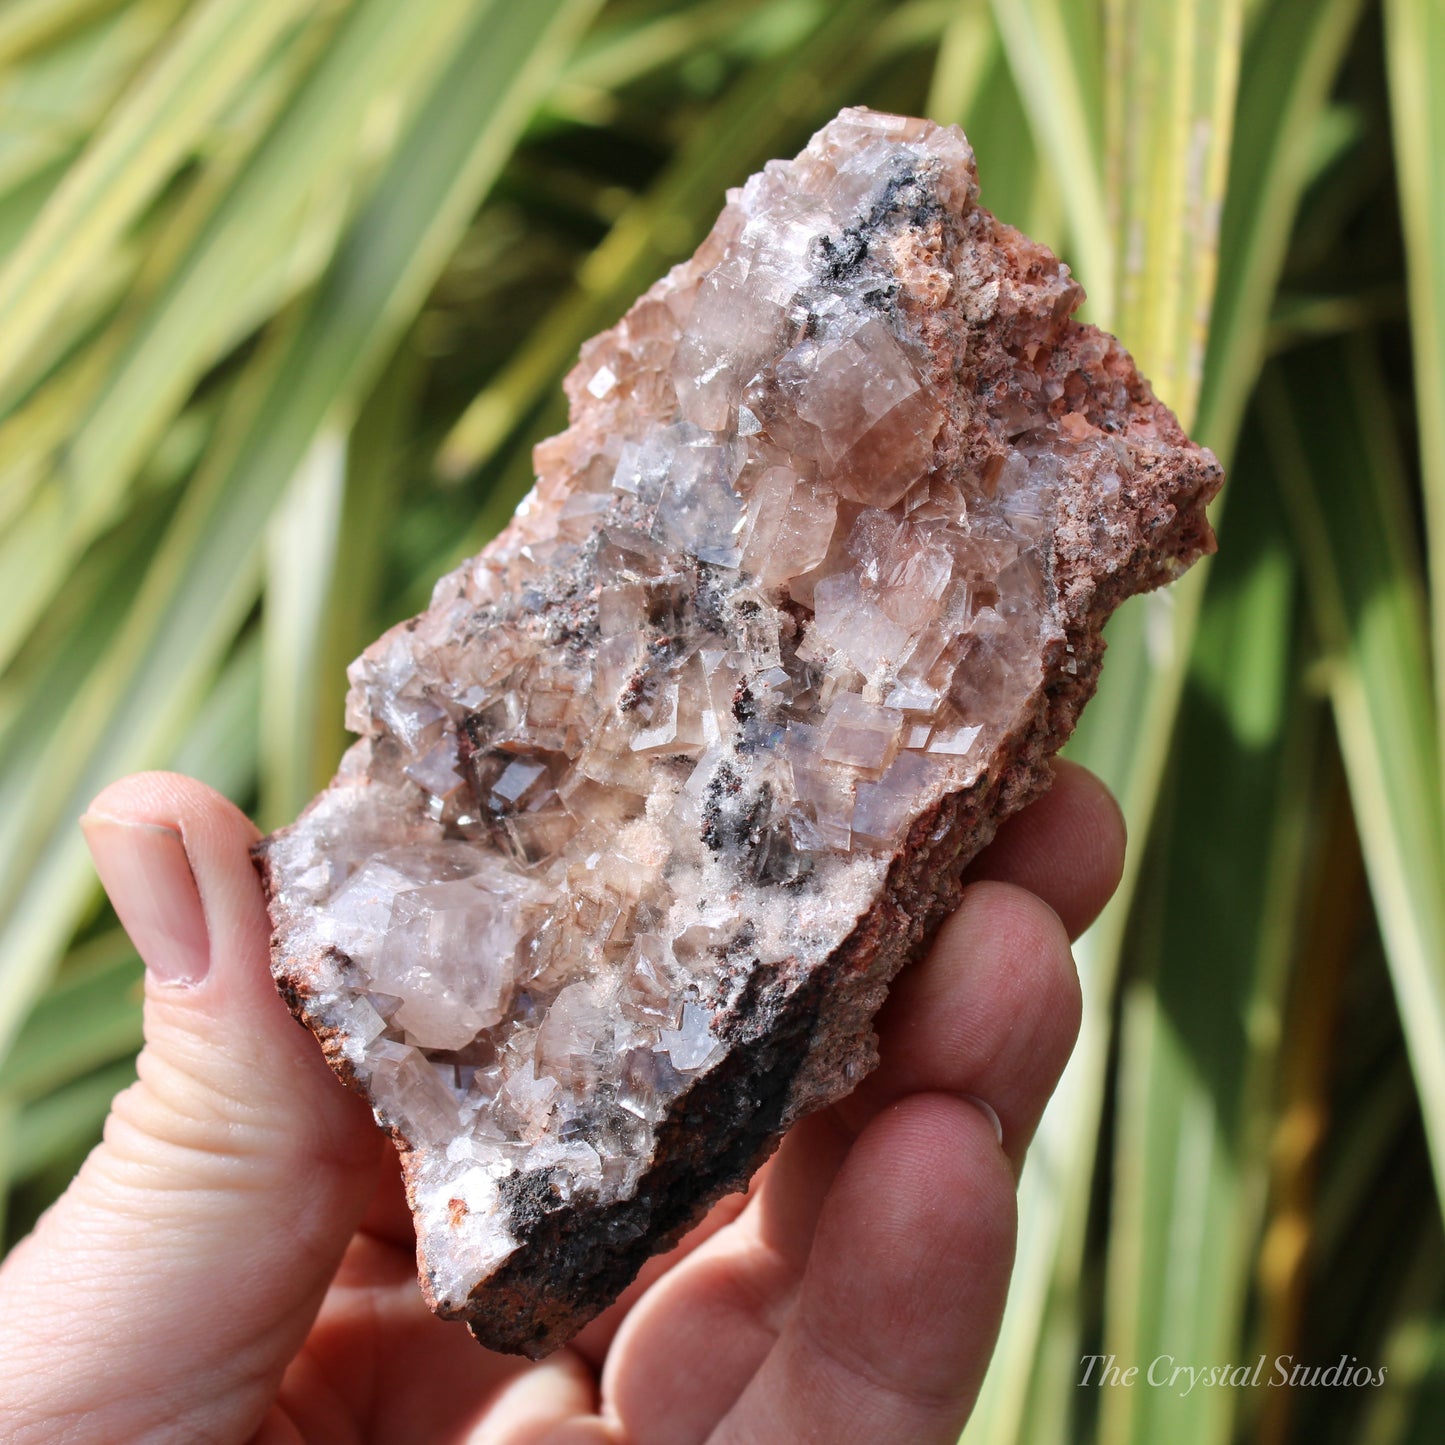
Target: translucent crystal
column 692, row 1044
column 814, row 577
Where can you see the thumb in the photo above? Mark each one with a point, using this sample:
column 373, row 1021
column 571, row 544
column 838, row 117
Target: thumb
column 164, row 1294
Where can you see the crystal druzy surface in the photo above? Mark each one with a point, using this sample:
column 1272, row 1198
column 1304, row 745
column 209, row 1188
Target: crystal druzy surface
column 668, row 782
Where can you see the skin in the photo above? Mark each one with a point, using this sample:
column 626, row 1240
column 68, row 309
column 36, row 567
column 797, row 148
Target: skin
column 235, row 1261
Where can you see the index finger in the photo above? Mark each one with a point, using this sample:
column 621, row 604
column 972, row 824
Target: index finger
column 1068, row 848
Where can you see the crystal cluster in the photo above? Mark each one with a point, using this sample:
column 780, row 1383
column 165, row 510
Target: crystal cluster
column 664, row 786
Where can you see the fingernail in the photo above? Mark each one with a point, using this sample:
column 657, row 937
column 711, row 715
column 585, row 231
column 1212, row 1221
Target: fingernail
column 989, row 1112
column 144, row 870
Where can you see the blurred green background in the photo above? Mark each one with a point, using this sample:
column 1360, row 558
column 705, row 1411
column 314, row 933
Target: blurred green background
column 287, row 288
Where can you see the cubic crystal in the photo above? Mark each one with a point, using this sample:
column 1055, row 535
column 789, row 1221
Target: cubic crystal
column 666, row 784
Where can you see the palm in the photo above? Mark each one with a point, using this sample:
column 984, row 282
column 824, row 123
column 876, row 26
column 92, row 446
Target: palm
column 854, row 1294
column 825, row 1288
column 671, row 1358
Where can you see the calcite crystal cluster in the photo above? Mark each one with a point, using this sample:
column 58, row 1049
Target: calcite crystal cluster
column 667, row 783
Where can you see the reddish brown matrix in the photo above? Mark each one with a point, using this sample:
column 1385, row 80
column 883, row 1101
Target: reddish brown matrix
column 650, row 805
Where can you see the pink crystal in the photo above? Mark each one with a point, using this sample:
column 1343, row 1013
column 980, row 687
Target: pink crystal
column 652, row 802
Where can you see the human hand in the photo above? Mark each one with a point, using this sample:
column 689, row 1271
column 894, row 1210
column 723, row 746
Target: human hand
column 236, row 1262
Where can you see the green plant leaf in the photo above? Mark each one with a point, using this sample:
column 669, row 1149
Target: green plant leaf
column 1293, row 54
column 91, row 1015
column 1295, row 51
column 212, row 53
column 1213, row 942
column 1415, row 32
column 1174, row 66
column 302, row 547
column 965, row 57
column 205, row 576
column 1335, row 450
column 256, row 238
column 65, row 1122
column 30, row 25
column 1053, row 47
